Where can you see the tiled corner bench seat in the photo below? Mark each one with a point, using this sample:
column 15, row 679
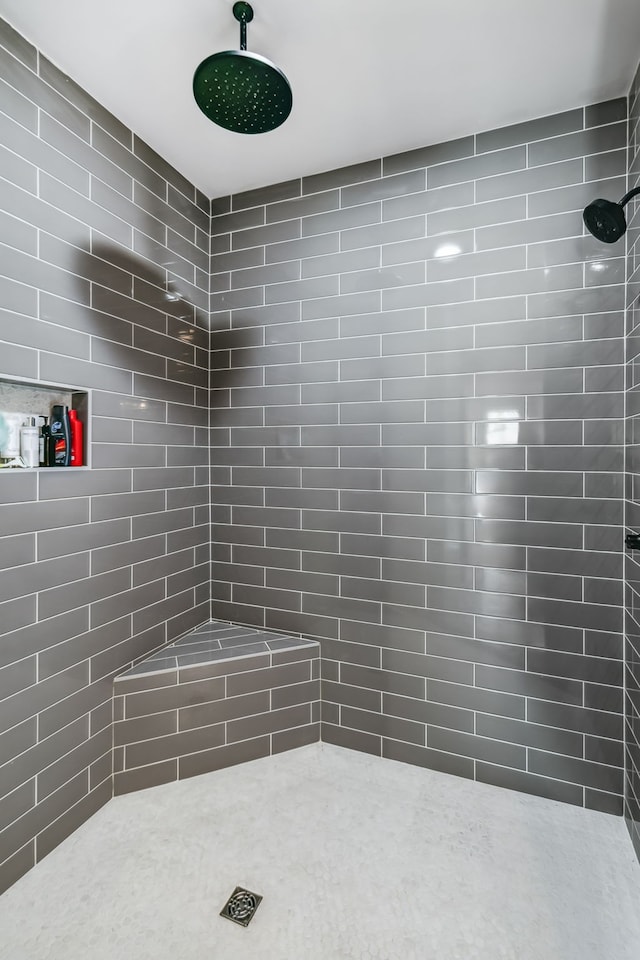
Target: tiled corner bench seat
column 220, row 695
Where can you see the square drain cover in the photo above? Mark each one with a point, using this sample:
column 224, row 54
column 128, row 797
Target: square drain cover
column 241, row 906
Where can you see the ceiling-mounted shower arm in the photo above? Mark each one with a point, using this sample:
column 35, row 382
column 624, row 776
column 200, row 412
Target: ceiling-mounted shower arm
column 241, row 91
column 243, row 12
column 629, row 196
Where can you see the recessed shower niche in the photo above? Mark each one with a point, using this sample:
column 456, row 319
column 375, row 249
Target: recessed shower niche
column 31, row 403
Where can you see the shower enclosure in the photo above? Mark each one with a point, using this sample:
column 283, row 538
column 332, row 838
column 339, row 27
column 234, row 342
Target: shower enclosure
column 381, row 407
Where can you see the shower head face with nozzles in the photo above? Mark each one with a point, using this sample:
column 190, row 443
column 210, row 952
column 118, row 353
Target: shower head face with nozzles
column 242, row 91
column 605, row 220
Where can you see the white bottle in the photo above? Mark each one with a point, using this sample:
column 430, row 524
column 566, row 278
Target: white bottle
column 30, row 443
column 10, row 424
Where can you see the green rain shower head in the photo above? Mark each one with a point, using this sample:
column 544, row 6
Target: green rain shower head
column 242, row 91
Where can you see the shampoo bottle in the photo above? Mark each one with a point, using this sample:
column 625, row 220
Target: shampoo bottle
column 60, row 440
column 77, row 439
column 10, row 434
column 45, row 434
column 30, row 443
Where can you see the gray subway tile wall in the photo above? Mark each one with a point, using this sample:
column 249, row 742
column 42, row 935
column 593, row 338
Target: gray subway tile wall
column 632, row 493
column 416, row 422
column 105, row 287
column 391, row 414
column 197, row 717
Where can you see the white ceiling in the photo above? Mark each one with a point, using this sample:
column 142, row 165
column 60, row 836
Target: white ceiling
column 369, row 77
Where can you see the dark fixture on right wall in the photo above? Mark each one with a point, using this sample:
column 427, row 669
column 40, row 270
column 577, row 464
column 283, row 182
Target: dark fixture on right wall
column 605, row 219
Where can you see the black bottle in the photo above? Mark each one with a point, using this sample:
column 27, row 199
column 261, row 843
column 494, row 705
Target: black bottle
column 45, row 442
column 60, row 439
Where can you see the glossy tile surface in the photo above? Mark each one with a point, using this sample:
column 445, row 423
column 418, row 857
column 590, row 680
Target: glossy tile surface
column 98, row 567
column 214, row 641
column 632, row 559
column 355, row 857
column 416, row 425
column 219, row 696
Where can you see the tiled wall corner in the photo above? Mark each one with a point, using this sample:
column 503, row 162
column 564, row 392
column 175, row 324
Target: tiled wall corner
column 175, row 724
column 632, row 450
column 105, row 282
column 417, row 447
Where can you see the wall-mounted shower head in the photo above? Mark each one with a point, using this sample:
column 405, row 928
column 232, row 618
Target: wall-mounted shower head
column 605, row 219
column 242, row 91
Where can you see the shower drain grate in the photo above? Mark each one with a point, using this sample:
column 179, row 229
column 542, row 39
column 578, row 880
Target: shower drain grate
column 241, row 906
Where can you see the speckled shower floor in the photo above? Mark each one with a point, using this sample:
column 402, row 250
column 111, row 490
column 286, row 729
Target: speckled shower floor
column 357, row 859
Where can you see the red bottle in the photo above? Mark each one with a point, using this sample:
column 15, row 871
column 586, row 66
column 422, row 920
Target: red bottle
column 77, row 439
